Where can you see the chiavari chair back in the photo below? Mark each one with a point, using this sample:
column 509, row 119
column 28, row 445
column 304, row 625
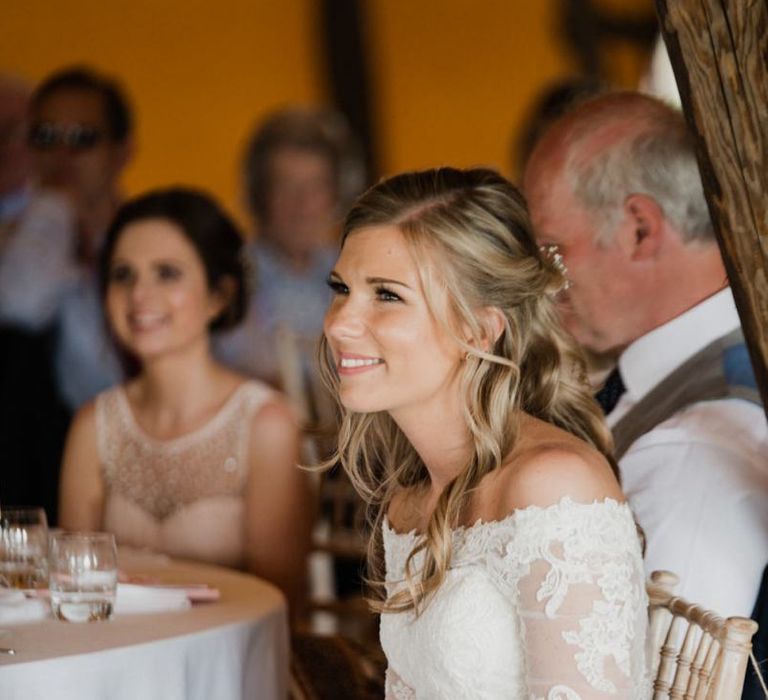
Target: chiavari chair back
column 696, row 653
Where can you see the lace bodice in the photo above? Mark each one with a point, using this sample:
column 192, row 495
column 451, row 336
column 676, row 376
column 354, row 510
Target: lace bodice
column 548, row 603
column 181, row 496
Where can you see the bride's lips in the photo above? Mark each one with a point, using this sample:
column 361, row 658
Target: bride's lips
column 349, row 364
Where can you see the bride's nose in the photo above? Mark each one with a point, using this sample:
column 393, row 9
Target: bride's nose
column 343, row 320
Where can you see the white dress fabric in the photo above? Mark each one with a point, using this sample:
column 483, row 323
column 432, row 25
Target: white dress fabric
column 548, row 603
column 183, row 496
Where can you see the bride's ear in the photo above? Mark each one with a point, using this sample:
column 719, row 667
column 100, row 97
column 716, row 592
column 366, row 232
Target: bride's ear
column 492, row 324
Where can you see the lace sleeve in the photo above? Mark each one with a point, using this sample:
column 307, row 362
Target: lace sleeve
column 581, row 601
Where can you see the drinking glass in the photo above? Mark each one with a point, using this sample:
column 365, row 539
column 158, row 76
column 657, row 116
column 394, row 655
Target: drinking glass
column 82, row 576
column 23, row 546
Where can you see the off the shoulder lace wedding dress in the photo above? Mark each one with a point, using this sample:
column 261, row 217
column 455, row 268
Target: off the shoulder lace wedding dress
column 548, row 603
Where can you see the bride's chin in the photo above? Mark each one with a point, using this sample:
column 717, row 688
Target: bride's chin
column 358, row 405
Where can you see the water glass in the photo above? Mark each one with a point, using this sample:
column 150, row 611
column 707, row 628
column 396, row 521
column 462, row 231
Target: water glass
column 23, row 547
column 82, row 576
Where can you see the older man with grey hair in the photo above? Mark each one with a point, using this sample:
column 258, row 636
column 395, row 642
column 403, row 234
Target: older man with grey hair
column 615, row 186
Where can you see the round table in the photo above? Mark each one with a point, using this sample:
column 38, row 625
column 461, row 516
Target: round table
column 231, row 649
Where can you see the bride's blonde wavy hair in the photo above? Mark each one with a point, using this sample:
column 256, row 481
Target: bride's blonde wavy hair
column 470, row 233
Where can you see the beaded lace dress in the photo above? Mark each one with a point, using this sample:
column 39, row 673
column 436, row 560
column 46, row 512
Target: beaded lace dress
column 548, row 603
column 182, row 496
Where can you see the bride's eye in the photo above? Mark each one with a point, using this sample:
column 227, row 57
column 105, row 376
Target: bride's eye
column 337, row 286
column 386, row 294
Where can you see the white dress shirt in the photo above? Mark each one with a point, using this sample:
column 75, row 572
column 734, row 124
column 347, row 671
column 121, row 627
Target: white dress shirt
column 42, row 284
column 36, row 264
column 698, row 482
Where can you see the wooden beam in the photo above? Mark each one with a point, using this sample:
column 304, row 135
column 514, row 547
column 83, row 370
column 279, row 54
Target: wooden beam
column 347, row 54
column 719, row 53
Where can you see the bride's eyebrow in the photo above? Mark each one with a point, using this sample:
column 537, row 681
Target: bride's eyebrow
column 385, row 280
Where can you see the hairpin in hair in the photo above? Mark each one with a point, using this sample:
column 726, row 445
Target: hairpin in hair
column 551, row 251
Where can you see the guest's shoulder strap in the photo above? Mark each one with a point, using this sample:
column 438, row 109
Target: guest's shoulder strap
column 110, row 409
column 251, row 396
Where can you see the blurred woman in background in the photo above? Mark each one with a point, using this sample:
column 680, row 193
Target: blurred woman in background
column 302, row 168
column 188, row 457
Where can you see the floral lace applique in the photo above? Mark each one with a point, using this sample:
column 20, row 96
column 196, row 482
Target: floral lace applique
column 396, row 688
column 571, row 572
column 560, row 692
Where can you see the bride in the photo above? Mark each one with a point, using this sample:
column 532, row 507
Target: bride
column 512, row 566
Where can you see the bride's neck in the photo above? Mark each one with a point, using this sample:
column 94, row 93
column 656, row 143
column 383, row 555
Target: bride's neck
column 441, row 440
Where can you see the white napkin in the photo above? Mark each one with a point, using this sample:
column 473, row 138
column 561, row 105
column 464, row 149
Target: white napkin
column 132, row 598
column 16, row 608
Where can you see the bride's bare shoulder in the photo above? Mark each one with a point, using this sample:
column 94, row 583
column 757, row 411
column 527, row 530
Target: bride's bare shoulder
column 549, row 464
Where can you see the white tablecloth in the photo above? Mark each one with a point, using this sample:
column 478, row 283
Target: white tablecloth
column 232, row 649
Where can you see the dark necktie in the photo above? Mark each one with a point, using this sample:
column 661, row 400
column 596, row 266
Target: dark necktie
column 612, row 390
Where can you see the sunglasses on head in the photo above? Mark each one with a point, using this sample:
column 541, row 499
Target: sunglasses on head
column 46, row 136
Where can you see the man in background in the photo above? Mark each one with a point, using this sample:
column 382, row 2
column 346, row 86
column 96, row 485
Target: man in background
column 36, row 226
column 36, row 241
column 615, row 185
column 81, row 137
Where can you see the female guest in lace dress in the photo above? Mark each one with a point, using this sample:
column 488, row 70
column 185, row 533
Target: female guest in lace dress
column 512, row 563
column 188, row 457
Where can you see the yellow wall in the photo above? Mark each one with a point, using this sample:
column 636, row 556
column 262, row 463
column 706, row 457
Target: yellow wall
column 451, row 79
column 455, row 78
column 454, row 82
column 199, row 73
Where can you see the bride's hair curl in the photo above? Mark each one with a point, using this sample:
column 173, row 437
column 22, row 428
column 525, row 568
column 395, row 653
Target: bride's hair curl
column 470, row 232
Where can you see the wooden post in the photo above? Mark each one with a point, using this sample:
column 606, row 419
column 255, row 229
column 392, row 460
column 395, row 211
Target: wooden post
column 719, row 53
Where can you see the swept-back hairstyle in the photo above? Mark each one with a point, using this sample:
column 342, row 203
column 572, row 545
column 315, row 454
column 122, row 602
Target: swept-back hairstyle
column 471, row 233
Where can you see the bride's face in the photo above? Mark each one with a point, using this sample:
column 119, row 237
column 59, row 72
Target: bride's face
column 157, row 299
column 391, row 353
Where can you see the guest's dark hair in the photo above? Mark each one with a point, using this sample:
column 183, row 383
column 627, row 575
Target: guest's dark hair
column 117, row 110
column 319, row 131
column 212, row 233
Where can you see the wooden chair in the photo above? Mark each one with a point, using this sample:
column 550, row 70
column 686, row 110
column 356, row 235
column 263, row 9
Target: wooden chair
column 301, row 383
column 696, row 654
column 340, row 532
column 335, row 668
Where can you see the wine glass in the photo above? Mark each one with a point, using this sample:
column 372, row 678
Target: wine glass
column 23, row 546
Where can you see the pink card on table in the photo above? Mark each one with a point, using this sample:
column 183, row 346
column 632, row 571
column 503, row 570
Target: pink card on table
column 196, row 592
